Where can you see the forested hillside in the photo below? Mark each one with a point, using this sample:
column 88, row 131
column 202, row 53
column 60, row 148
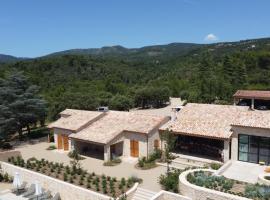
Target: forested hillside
column 125, row 78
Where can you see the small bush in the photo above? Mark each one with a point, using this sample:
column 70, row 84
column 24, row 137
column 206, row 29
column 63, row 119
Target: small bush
column 51, row 147
column 215, row 166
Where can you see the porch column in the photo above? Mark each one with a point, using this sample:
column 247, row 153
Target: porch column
column 252, row 104
column 107, row 154
column 71, row 145
column 226, row 151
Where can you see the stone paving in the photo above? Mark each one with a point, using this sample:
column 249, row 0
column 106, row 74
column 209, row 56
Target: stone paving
column 242, row 171
column 125, row 169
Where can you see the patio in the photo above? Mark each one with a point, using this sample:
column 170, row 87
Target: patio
column 125, row 169
column 243, row 171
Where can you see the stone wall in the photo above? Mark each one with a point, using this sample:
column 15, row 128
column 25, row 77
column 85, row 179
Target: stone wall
column 262, row 180
column 67, row 191
column 199, row 193
column 165, row 195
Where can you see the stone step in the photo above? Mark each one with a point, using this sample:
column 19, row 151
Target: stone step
column 143, row 194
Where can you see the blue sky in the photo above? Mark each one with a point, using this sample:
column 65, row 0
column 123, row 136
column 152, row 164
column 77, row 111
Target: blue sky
column 33, row 28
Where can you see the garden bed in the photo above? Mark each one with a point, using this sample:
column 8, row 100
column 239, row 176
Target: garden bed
column 222, row 184
column 150, row 162
column 99, row 183
column 113, row 162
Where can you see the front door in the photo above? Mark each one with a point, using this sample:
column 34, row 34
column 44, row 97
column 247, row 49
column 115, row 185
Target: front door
column 66, row 145
column 134, row 148
column 59, row 141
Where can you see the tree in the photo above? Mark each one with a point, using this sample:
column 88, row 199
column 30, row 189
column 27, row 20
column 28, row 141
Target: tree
column 120, row 102
column 168, row 138
column 20, row 104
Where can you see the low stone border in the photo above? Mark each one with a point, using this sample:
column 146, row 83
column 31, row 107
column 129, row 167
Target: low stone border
column 200, row 193
column 262, row 180
column 66, row 190
column 130, row 193
column 165, row 195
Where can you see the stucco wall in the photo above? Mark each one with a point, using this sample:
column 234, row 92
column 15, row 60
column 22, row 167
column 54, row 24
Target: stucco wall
column 154, row 135
column 248, row 131
column 199, row 193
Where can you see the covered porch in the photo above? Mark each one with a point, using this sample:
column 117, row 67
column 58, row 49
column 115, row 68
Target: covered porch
column 97, row 150
column 202, row 147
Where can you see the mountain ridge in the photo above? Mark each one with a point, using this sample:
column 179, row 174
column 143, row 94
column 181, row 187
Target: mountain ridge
column 171, row 49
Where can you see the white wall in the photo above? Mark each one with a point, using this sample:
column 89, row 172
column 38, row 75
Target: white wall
column 248, row 131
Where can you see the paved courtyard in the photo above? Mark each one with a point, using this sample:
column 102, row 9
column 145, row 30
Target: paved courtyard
column 125, row 169
column 242, row 171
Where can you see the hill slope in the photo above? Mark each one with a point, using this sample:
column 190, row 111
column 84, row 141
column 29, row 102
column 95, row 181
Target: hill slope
column 124, row 78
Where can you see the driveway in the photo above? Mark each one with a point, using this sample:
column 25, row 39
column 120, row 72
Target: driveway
column 125, row 169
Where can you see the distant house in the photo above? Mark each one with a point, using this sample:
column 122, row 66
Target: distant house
column 222, row 132
column 106, row 135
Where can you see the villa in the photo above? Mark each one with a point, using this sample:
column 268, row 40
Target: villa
column 109, row 134
column 223, row 132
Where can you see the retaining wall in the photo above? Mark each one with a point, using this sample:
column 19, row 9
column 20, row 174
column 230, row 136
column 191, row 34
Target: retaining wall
column 199, row 193
column 262, row 180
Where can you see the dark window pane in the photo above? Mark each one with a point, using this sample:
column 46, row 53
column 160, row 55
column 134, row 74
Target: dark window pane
column 253, row 148
column 243, row 147
column 243, row 156
column 253, row 158
column 243, row 139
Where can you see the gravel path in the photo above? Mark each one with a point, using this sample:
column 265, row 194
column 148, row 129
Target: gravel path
column 125, row 169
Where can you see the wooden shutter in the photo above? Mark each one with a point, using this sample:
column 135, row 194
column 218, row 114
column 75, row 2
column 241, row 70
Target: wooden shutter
column 66, row 144
column 59, row 141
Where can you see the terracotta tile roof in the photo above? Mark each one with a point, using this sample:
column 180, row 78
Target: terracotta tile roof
column 76, row 119
column 115, row 122
column 257, row 94
column 255, row 119
column 206, row 120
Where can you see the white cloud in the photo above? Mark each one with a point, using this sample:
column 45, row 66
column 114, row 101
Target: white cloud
column 211, row 37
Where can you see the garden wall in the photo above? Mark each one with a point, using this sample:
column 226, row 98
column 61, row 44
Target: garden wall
column 262, row 180
column 165, row 195
column 199, row 193
column 67, row 191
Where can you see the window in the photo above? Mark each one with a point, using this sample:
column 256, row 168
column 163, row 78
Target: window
column 254, row 149
column 156, row 144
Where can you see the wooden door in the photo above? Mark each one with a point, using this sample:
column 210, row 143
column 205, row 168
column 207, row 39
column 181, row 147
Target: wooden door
column 134, row 148
column 66, row 144
column 59, row 141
